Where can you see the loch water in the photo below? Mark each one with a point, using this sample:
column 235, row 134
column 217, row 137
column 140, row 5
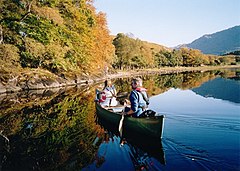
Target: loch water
column 58, row 129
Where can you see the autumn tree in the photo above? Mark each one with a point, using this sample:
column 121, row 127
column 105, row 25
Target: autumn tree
column 162, row 58
column 121, row 50
column 132, row 53
column 102, row 49
column 177, row 59
column 57, row 35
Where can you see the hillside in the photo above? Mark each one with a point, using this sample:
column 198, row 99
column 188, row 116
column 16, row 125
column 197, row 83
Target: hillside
column 217, row 43
column 156, row 47
column 54, row 43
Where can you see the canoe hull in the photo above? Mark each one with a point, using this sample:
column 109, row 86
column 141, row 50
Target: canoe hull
column 150, row 126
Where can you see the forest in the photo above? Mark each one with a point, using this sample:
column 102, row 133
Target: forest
column 134, row 53
column 61, row 36
column 69, row 37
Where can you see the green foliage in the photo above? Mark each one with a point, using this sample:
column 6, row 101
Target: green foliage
column 133, row 53
column 9, row 58
column 50, row 3
column 38, row 29
column 161, row 60
column 60, row 36
column 27, row 60
column 69, row 36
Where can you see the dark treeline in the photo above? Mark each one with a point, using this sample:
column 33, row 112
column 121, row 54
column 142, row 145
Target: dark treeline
column 237, row 52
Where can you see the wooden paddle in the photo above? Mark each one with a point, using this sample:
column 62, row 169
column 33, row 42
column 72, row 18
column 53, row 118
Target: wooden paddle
column 120, row 127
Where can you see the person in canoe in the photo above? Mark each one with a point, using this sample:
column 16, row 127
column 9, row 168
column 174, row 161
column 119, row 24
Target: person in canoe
column 138, row 99
column 110, row 92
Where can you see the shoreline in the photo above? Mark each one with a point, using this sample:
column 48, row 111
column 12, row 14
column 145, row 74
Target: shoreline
column 168, row 70
column 35, row 82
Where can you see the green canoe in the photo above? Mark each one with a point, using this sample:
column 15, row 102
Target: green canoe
column 148, row 144
column 149, row 126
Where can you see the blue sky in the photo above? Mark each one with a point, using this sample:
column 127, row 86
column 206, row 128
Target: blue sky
column 169, row 22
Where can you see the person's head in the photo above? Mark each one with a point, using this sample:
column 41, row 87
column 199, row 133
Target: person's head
column 136, row 82
column 107, row 83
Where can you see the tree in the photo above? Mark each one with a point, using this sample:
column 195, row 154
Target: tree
column 177, row 59
column 162, row 58
column 57, row 35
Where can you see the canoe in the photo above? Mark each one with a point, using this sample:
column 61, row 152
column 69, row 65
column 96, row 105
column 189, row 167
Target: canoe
column 148, row 144
column 149, row 126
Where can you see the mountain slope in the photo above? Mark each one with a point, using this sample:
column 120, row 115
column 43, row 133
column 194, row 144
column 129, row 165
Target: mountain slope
column 218, row 43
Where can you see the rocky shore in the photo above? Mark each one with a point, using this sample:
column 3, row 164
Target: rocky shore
column 36, row 81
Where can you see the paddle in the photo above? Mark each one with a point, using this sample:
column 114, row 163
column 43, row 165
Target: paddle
column 110, row 101
column 120, row 127
column 122, row 94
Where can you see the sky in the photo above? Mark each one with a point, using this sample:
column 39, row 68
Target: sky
column 169, row 22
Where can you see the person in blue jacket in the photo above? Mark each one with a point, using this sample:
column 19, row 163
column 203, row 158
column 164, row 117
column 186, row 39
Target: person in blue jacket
column 138, row 99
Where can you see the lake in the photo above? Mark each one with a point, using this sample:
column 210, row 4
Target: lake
column 58, row 129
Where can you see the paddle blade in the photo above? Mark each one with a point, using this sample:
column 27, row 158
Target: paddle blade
column 120, row 127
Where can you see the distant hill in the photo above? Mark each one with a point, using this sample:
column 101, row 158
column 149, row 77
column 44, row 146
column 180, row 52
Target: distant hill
column 156, row 47
column 218, row 43
column 153, row 46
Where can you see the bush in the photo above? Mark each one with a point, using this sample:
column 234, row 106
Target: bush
column 9, row 55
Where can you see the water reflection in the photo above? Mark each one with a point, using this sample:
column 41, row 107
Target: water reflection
column 50, row 130
column 220, row 88
column 134, row 151
column 149, row 144
column 56, row 130
column 157, row 84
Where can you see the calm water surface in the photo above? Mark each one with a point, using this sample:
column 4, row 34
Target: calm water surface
column 201, row 133
column 201, row 130
column 59, row 130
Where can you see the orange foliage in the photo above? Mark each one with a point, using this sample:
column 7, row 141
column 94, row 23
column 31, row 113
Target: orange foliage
column 49, row 13
column 103, row 50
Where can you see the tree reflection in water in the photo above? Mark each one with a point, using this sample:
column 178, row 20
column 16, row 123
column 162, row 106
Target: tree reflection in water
column 55, row 129
column 50, row 129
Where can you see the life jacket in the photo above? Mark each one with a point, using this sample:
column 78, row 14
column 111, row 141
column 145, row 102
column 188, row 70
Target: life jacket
column 102, row 96
column 140, row 90
column 109, row 91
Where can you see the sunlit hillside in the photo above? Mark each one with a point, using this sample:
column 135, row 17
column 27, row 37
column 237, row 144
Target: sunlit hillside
column 218, row 43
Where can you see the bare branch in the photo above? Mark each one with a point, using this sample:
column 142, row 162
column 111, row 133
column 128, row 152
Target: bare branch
column 29, row 5
column 25, row 16
column 1, row 35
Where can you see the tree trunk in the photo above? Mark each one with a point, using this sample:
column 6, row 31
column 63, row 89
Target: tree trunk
column 1, row 35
